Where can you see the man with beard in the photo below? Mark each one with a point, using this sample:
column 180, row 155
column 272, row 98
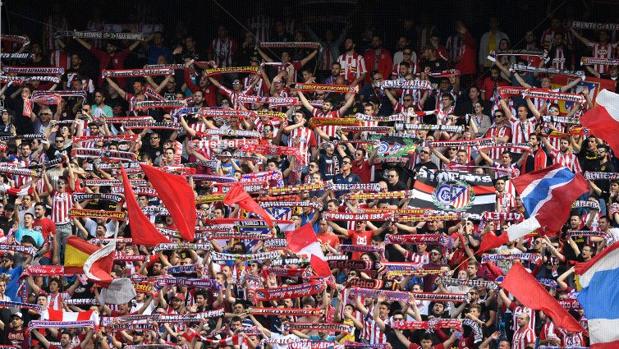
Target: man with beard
column 378, row 58
column 352, row 63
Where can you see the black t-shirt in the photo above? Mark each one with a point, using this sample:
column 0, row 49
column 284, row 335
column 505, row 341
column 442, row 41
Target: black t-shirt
column 396, row 187
column 393, row 339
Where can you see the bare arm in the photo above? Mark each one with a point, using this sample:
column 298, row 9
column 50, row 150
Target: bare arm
column 440, row 156
column 122, row 93
column 581, row 38
column 561, row 279
column 305, row 102
column 391, row 97
column 570, row 85
column 264, row 55
column 84, row 43
column 506, row 110
column 134, row 45
column 521, row 80
column 532, row 107
column 309, row 57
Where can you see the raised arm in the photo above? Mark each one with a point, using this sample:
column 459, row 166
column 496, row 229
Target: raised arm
column 581, row 38
column 84, row 43
column 521, row 80
column 264, row 55
column 506, row 110
column 391, row 97
column 135, row 44
column 532, row 107
column 571, row 84
column 122, row 93
column 504, row 70
column 309, row 57
column 216, row 83
column 305, row 102
column 440, row 156
column 350, row 99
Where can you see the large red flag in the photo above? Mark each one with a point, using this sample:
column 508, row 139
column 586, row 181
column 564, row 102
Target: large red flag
column 304, row 241
column 143, row 231
column 533, row 295
column 178, row 198
column 603, row 119
column 238, row 195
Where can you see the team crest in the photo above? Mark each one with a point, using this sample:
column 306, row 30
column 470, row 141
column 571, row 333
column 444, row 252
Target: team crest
column 453, row 196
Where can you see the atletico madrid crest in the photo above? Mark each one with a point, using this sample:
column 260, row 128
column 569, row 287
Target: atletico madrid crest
column 455, row 195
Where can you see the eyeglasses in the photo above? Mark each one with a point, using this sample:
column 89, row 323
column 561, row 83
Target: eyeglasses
column 346, row 162
column 59, row 140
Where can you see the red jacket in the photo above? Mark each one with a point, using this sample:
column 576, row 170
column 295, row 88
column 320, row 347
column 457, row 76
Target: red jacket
column 385, row 63
column 467, row 64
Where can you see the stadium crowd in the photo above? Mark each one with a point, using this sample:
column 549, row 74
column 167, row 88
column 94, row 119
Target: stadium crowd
column 402, row 164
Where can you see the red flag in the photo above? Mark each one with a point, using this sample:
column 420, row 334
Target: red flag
column 603, row 119
column 238, row 195
column 178, row 198
column 143, row 231
column 98, row 266
column 304, row 241
column 533, row 295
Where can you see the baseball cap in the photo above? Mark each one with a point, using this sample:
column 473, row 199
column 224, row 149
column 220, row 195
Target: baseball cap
column 18, row 314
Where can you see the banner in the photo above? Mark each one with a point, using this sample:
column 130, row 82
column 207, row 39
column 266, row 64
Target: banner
column 453, row 191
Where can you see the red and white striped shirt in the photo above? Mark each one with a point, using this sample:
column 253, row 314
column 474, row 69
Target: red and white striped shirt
column 61, row 204
column 353, row 66
column 558, row 61
column 570, row 339
column 603, row 51
column 497, row 131
column 233, row 96
column 523, row 338
column 56, row 301
column 302, row 138
column 223, row 50
column 505, row 202
column 330, row 130
column 569, row 160
column 517, row 310
column 548, row 331
column 372, row 332
column 521, row 131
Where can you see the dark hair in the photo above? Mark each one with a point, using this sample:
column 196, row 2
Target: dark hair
column 425, row 336
column 29, row 239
